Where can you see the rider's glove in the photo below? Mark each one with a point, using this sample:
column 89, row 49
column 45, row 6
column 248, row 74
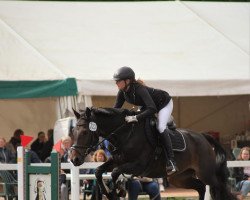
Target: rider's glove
column 130, row 119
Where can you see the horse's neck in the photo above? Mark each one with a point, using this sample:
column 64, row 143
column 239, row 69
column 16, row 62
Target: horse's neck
column 110, row 128
column 108, row 123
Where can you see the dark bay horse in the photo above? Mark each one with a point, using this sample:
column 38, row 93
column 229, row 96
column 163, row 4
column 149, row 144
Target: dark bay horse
column 202, row 163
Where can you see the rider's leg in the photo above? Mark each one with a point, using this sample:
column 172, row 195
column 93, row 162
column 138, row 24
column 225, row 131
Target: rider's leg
column 166, row 141
column 163, row 118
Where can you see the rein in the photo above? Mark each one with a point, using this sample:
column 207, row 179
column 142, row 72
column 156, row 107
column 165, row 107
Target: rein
column 114, row 133
column 109, row 137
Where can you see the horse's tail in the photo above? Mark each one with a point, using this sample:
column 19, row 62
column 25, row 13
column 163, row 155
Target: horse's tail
column 221, row 158
column 222, row 171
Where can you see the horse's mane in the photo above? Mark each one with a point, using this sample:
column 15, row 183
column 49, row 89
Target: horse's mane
column 109, row 111
column 105, row 112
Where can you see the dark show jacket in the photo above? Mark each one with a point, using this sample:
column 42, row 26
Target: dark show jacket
column 152, row 100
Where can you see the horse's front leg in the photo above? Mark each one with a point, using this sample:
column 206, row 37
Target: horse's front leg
column 128, row 168
column 107, row 166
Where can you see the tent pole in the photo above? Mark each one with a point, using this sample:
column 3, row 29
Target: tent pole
column 88, row 101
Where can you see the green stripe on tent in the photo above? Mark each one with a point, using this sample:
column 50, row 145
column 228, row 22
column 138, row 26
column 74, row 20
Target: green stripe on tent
column 37, row 89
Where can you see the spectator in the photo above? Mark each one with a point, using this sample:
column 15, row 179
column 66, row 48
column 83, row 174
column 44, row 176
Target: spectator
column 99, row 156
column 66, row 145
column 6, row 156
column 242, row 174
column 34, row 157
column 137, row 185
column 48, row 146
column 15, row 140
column 38, row 144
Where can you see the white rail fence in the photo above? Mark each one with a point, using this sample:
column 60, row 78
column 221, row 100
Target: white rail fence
column 75, row 175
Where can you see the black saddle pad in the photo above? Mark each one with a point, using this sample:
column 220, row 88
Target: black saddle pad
column 176, row 135
column 178, row 140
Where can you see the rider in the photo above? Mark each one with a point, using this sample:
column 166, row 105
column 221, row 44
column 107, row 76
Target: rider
column 152, row 101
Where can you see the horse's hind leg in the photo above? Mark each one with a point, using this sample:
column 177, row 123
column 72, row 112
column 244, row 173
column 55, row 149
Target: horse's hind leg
column 188, row 180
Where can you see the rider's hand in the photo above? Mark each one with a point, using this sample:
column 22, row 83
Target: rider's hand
column 130, row 119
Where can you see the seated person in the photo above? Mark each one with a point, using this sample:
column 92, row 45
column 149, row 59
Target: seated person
column 7, row 177
column 137, row 185
column 33, row 157
column 48, row 146
column 6, row 156
column 38, row 144
column 15, row 141
column 99, row 156
column 242, row 174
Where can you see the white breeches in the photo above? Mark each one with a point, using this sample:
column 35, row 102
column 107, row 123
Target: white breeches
column 164, row 116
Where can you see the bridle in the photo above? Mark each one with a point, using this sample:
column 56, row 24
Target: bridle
column 94, row 137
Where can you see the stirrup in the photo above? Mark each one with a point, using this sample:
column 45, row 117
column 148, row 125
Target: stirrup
column 171, row 168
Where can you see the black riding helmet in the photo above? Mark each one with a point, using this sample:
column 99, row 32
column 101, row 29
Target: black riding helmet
column 124, row 73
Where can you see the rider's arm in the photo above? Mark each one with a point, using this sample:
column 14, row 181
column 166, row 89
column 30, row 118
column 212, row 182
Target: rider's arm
column 119, row 100
column 150, row 107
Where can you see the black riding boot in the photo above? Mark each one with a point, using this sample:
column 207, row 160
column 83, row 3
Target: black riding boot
column 166, row 141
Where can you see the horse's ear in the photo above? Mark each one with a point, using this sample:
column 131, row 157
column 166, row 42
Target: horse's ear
column 76, row 113
column 88, row 112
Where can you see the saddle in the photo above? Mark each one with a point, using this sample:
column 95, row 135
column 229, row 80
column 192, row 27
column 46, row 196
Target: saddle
column 176, row 136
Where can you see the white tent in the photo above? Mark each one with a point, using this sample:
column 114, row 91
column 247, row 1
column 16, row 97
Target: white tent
column 187, row 48
column 25, row 72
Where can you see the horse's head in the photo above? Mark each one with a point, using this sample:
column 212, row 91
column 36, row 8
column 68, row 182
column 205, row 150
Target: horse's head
column 92, row 123
column 85, row 136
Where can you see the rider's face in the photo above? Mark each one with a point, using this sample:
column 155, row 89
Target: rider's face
column 121, row 84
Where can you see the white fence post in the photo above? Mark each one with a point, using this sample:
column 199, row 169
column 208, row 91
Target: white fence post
column 20, row 172
column 207, row 193
column 75, row 182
